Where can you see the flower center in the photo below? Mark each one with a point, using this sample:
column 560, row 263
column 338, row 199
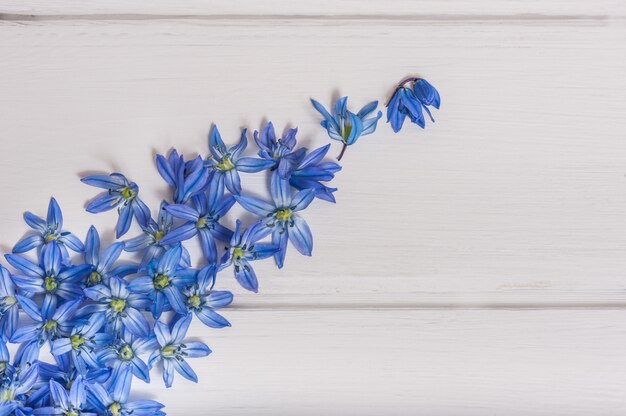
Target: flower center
column 51, row 237
column 225, row 164
column 283, row 215
column 347, row 129
column 72, row 412
column 94, row 278
column 201, row 223
column 238, row 253
column 128, row 193
column 117, row 305
column 161, row 281
column 3, row 367
column 126, row 353
column 158, row 236
column 170, row 351
column 194, row 301
column 51, row 326
column 7, row 302
column 77, row 341
column 50, row 284
column 115, row 409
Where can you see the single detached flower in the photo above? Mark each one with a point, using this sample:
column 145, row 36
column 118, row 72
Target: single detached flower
column 83, row 343
column 48, row 231
column 125, row 353
column 103, row 263
column 121, row 307
column 174, row 351
column 245, row 248
column 72, row 404
column 202, row 300
column 226, row 163
column 164, row 281
column 279, row 151
column 50, row 277
column 151, row 239
column 202, row 219
column 344, row 125
column 185, row 178
column 281, row 218
column 51, row 322
column 121, row 194
column 311, row 171
column 114, row 400
column 409, row 101
column 9, row 312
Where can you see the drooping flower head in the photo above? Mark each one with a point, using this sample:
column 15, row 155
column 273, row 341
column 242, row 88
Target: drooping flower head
column 279, row 151
column 47, row 232
column 121, row 193
column 409, row 102
column 281, row 218
column 344, row 125
column 185, row 178
column 173, row 350
column 226, row 163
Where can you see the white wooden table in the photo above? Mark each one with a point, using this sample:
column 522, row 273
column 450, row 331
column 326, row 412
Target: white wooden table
column 474, row 268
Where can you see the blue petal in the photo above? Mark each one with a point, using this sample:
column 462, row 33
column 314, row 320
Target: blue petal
column 170, row 260
column 207, row 242
column 302, row 199
column 247, row 278
column 165, row 170
column 25, row 266
column 28, row 243
column 367, row 109
column 279, row 239
column 185, row 370
column 264, row 250
column 175, row 298
column 238, row 149
column 340, row 106
column 61, row 346
column 55, row 217
column 426, row 93
column 216, row 145
column 136, row 323
column 180, row 327
column 369, row 125
column 314, row 157
column 92, row 246
column 59, row 395
column 124, row 220
column 355, row 131
column 320, row 108
column 280, row 190
column 183, row 212
column 162, row 333
column 30, row 308
column 140, row 369
column 141, row 212
column 300, row 236
column 35, row 222
column 103, row 202
column 110, row 256
column 77, row 393
column 253, row 165
column 211, row 318
column 195, row 349
column 168, row 373
column 219, row 299
column 182, row 233
column 255, row 205
column 223, row 206
column 232, row 181
column 138, row 243
column 114, row 182
column 141, row 285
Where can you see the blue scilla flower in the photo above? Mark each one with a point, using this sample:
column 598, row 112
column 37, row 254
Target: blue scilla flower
column 122, row 194
column 48, row 231
column 226, row 163
column 9, row 313
column 73, row 403
column 164, row 281
column 63, row 372
column 103, row 263
column 114, row 401
column 344, row 125
column 185, row 178
column 121, row 307
column 50, row 277
column 84, row 342
column 51, row 321
column 173, row 351
column 245, row 248
column 150, row 241
column 125, row 353
column 202, row 300
column 202, row 219
column 409, row 101
column 279, row 151
column 16, row 383
column 280, row 217
column 311, row 171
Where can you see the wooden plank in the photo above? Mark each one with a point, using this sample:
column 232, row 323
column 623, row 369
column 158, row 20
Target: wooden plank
column 458, row 363
column 515, row 195
column 446, row 9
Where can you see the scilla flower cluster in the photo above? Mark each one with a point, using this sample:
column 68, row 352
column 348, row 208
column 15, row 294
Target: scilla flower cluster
column 107, row 322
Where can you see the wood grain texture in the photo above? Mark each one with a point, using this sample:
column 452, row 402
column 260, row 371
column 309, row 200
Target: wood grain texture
column 515, row 194
column 438, row 363
column 473, row 268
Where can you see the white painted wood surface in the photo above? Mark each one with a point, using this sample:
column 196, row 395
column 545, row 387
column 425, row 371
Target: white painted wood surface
column 477, row 267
